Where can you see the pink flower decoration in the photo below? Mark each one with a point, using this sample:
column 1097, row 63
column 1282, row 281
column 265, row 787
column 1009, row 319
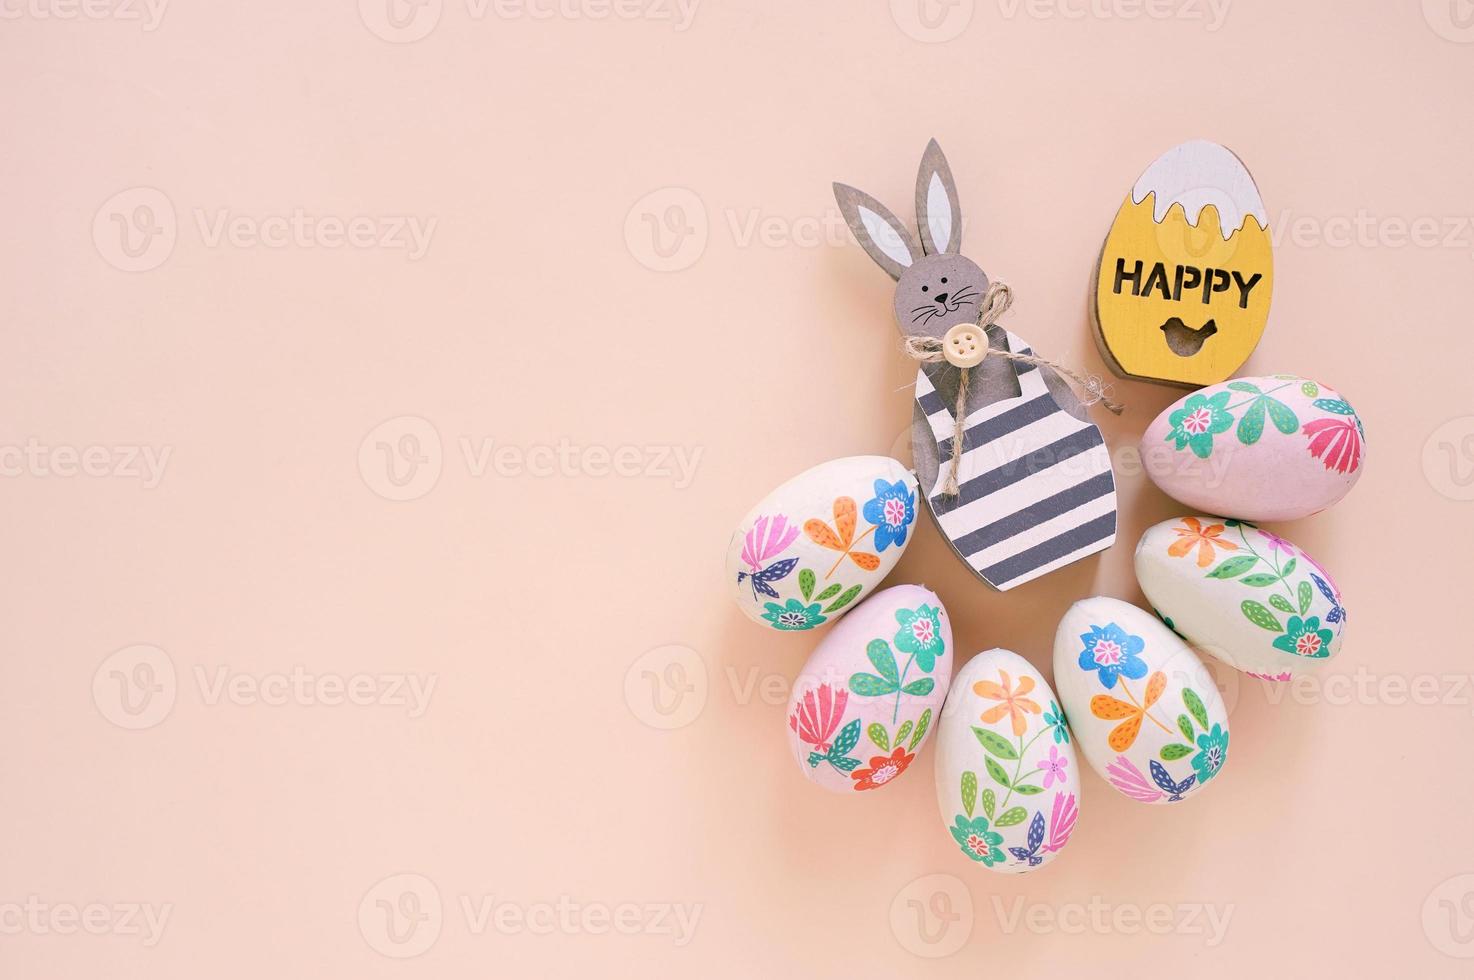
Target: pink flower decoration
column 769, row 536
column 1335, row 442
column 1129, row 780
column 1054, row 767
column 818, row 715
column 1062, row 820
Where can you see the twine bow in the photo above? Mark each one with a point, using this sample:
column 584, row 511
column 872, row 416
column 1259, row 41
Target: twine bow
column 929, row 350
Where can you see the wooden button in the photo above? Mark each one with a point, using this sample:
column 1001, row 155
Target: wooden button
column 965, row 345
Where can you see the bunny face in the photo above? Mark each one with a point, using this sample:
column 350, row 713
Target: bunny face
column 936, row 287
column 938, row 292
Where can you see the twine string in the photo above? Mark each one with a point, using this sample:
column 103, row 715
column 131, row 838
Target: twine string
column 928, row 350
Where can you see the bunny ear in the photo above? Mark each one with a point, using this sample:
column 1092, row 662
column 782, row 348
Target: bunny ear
column 877, row 230
column 937, row 209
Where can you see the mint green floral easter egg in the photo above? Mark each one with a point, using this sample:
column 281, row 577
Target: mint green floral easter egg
column 1243, row 594
column 1008, row 784
column 817, row 545
column 1144, row 710
column 867, row 699
column 1259, row 449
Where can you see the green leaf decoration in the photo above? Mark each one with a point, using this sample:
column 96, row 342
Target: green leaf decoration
column 828, row 593
column 1260, row 616
column 1233, row 567
column 1305, row 596
column 919, row 688
column 1310, row 389
column 990, row 801
column 878, row 735
column 1195, row 705
column 996, row 771
column 1173, row 752
column 1244, row 386
column 1013, row 816
column 1333, row 405
column 1251, row 426
column 1282, row 416
column 969, row 792
column 1028, row 789
column 814, row 759
column 806, row 580
column 870, row 686
column 903, row 731
column 1289, row 567
column 1259, row 580
column 1185, row 727
column 996, row 744
column 884, row 661
column 844, row 600
column 844, row 763
column 921, row 727
column 849, row 737
column 1282, row 604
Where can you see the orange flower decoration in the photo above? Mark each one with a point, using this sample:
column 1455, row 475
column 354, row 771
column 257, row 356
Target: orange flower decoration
column 882, row 769
column 1014, row 703
column 1205, row 538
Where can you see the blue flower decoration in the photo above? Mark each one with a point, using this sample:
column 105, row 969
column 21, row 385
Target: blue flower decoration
column 1114, row 653
column 891, row 510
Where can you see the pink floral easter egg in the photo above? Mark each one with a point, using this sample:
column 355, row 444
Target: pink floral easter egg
column 869, row 695
column 1259, row 449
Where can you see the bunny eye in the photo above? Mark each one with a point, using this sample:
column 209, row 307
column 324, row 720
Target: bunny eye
column 944, row 280
column 924, row 288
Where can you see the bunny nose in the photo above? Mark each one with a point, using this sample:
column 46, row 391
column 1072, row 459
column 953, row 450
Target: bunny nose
column 941, row 297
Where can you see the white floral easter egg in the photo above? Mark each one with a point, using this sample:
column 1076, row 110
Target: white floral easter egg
column 1250, row 598
column 822, row 541
column 1144, row 710
column 1259, row 449
column 867, row 698
column 1008, row 785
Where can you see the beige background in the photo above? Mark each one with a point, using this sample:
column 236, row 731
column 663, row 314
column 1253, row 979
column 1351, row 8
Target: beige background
column 570, row 775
